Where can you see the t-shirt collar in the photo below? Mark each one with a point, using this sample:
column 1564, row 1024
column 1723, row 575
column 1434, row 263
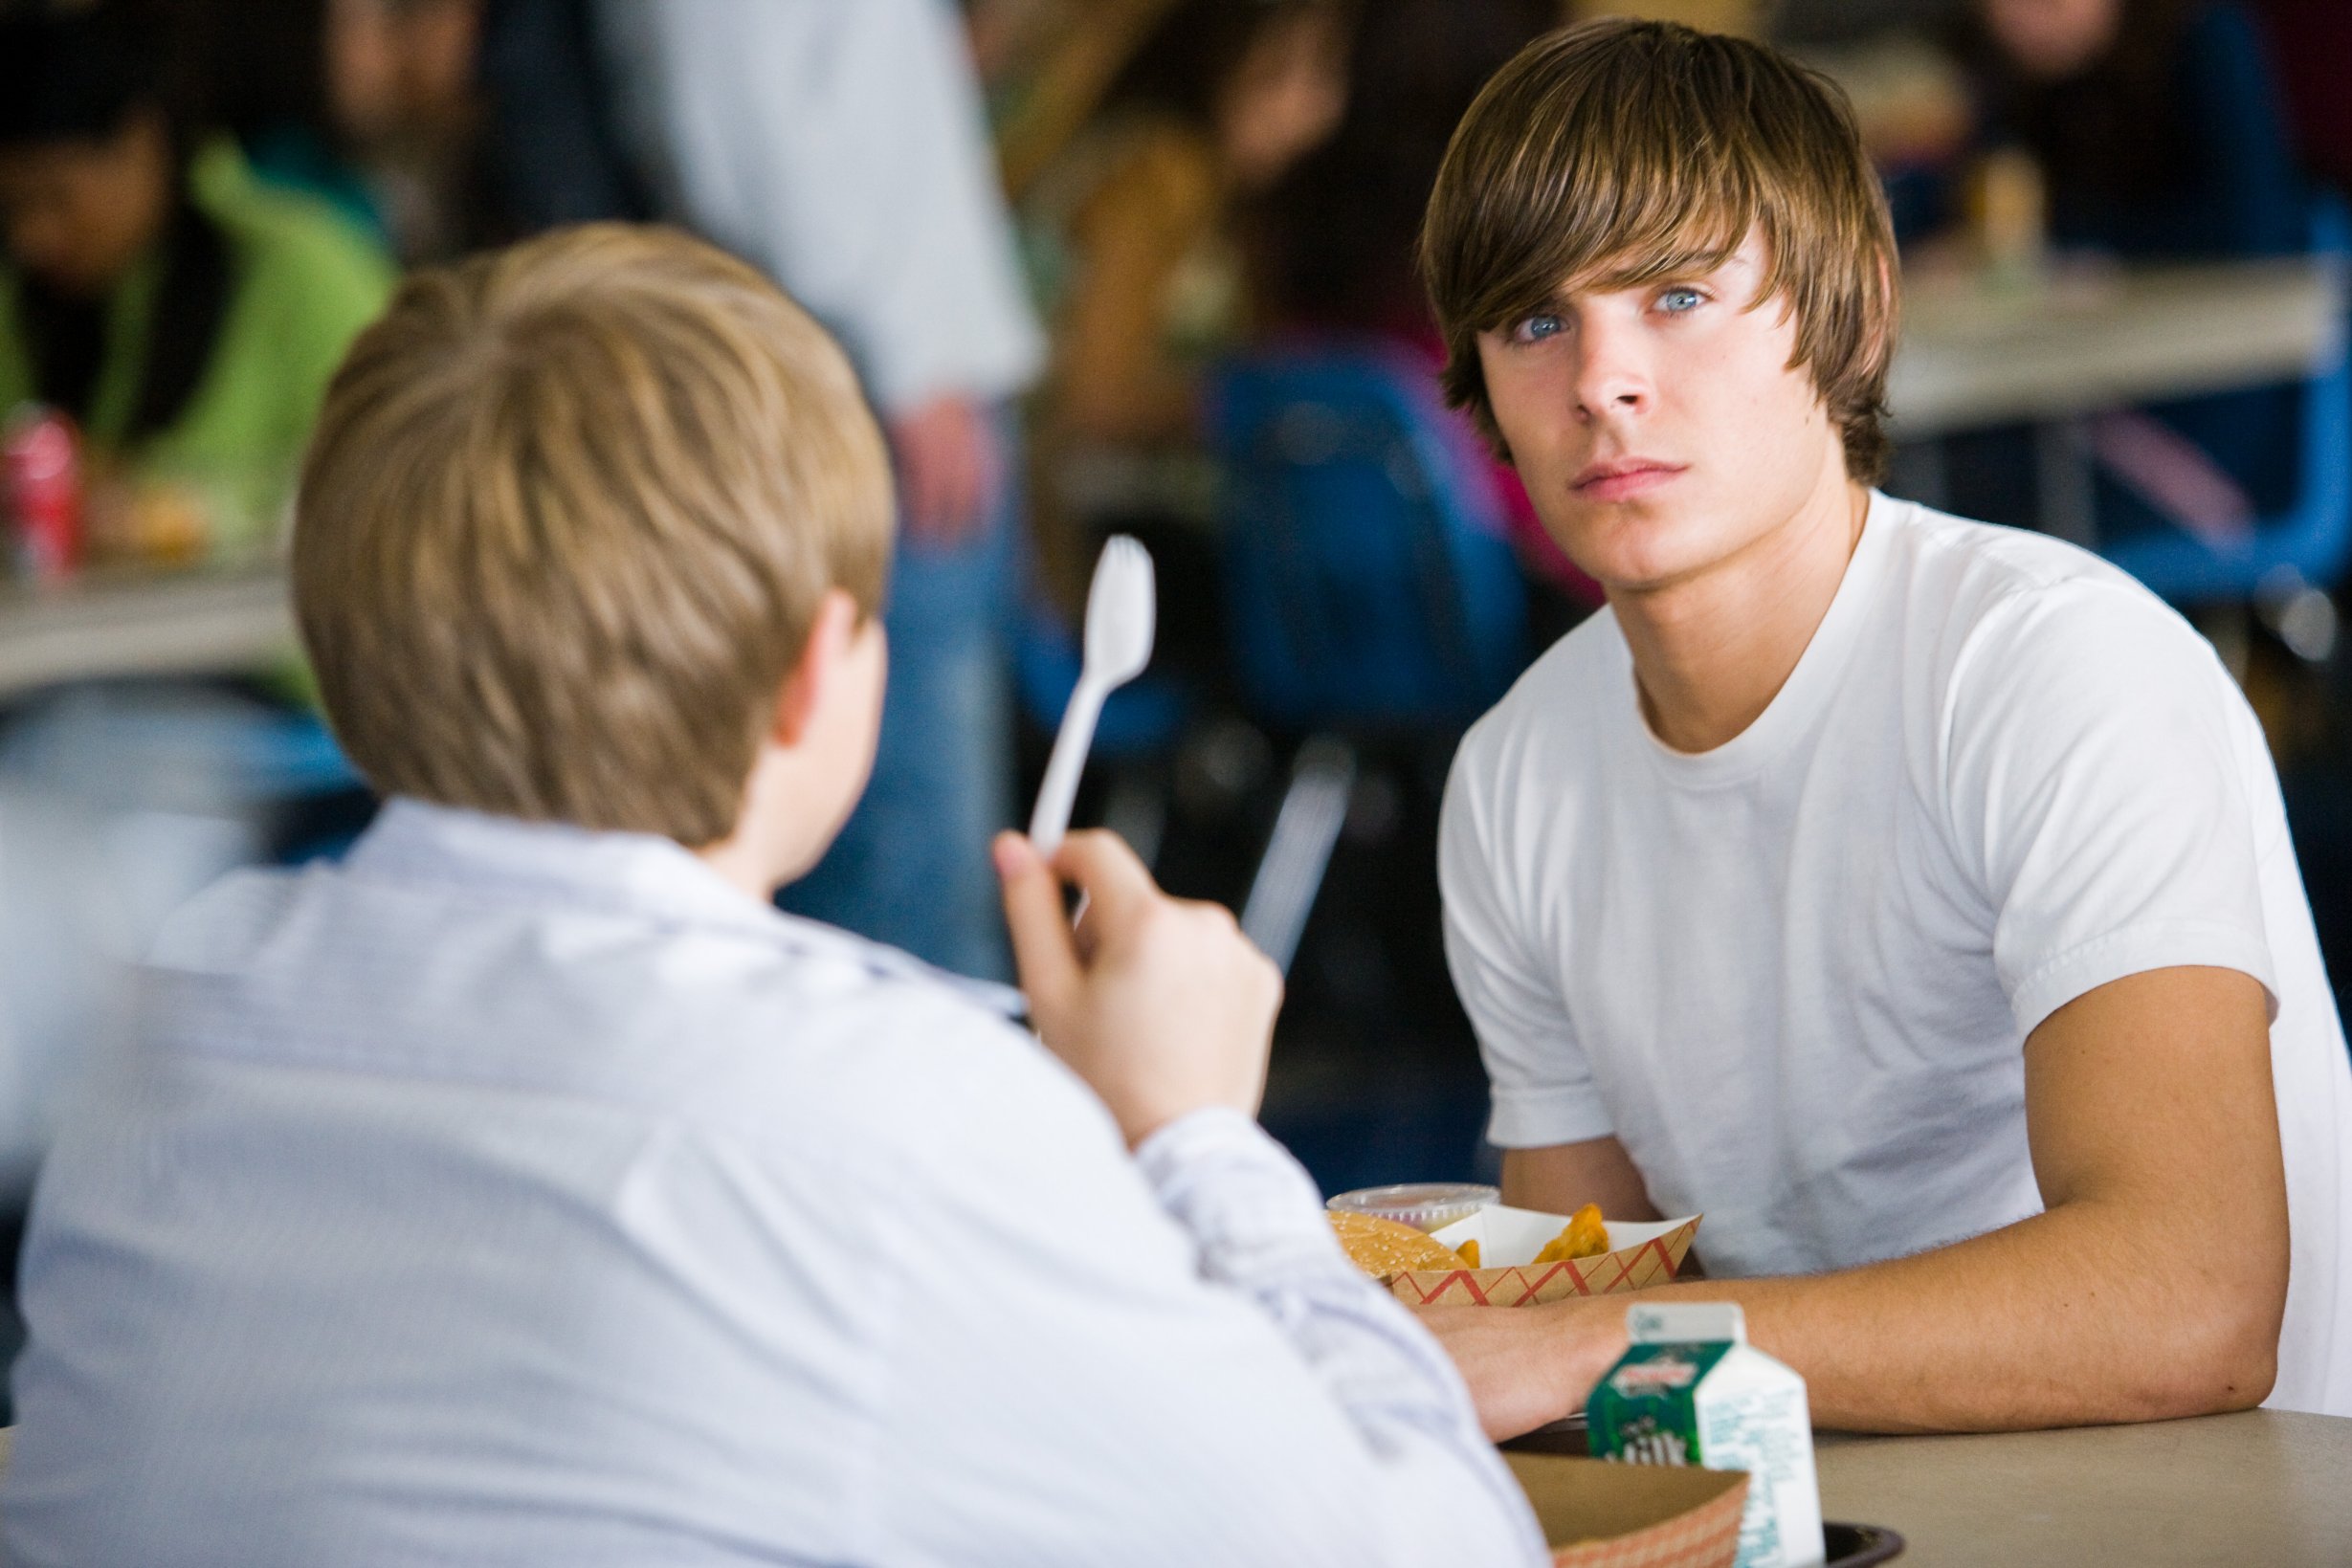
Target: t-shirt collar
column 1799, row 702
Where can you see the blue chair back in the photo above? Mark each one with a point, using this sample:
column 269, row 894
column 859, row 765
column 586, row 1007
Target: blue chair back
column 2313, row 536
column 1368, row 580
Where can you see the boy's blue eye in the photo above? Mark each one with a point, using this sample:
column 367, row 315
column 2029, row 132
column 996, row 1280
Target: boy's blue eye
column 1536, row 328
column 1681, row 302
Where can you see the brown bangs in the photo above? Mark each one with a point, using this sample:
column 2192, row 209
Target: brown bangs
column 1620, row 153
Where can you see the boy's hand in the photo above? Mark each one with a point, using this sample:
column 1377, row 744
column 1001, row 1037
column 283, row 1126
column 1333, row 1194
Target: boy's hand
column 947, row 470
column 1161, row 1004
column 1532, row 1364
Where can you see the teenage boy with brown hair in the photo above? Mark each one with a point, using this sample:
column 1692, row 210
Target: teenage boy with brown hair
column 526, row 1189
column 1911, row 896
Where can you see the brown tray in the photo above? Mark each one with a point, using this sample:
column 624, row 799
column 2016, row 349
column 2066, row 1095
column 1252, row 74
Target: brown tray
column 1846, row 1545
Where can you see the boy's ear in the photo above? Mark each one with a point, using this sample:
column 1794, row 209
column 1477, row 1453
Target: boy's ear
column 807, row 689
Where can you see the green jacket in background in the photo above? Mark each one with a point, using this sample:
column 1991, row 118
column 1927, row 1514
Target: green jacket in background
column 304, row 282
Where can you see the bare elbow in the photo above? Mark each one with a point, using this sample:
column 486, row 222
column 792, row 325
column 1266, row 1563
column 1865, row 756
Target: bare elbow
column 2228, row 1377
column 2242, row 1348
column 2257, row 1378
column 2224, row 1358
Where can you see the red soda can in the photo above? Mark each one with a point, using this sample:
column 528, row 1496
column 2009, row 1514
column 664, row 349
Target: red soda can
column 44, row 493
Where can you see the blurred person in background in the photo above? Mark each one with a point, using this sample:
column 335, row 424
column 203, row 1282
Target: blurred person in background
column 840, row 146
column 260, row 69
column 1135, row 235
column 186, row 318
column 1045, row 65
column 400, row 96
column 2313, row 41
column 2158, row 130
column 1219, row 101
column 369, row 105
column 1338, row 236
column 1809, row 22
column 1338, row 233
column 444, row 127
column 2157, row 123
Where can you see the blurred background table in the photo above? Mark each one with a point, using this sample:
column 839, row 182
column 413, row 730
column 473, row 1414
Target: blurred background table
column 1974, row 356
column 2055, row 352
column 190, row 623
column 2264, row 1487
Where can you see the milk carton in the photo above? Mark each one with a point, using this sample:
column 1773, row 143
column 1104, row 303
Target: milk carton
column 1691, row 1391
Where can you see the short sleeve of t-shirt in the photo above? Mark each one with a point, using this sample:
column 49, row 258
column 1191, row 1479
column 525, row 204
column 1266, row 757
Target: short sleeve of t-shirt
column 1544, row 1091
column 2097, row 758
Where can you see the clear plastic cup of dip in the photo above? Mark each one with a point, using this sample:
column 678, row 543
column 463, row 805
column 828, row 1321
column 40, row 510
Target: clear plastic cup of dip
column 1425, row 1205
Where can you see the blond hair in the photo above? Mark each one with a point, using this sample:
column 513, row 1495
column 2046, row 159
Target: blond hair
column 565, row 522
column 1620, row 153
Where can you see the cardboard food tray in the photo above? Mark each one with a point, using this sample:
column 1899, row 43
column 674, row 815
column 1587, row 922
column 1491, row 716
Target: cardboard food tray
column 1601, row 1515
column 1639, row 1255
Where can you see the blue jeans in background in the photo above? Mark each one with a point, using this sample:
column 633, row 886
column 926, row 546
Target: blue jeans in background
column 911, row 868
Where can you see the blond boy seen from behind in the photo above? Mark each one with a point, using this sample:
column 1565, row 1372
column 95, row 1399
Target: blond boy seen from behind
column 526, row 1189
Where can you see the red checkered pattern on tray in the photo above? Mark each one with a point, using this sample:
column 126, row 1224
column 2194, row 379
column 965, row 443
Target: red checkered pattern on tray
column 1629, row 1269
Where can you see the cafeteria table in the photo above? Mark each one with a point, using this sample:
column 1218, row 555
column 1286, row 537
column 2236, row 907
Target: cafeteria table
column 1974, row 355
column 2264, row 1488
column 2050, row 353
column 192, row 622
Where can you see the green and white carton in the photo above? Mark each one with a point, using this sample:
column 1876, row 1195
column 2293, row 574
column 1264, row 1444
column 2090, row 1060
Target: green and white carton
column 1692, row 1391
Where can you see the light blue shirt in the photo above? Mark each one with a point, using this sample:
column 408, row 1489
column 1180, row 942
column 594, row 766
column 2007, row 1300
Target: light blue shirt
column 512, row 1194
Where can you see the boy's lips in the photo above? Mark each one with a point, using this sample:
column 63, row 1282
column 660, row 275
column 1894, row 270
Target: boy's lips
column 1622, row 477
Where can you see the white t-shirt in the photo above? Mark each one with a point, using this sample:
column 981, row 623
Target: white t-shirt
column 1794, row 975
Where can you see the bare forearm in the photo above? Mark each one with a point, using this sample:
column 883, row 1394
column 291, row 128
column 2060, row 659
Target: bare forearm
column 2149, row 1111
column 2073, row 1318
column 2153, row 1134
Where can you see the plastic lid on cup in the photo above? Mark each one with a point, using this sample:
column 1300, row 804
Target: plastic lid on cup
column 1425, row 1205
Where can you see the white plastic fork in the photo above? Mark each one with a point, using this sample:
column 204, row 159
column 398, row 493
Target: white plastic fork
column 1120, row 615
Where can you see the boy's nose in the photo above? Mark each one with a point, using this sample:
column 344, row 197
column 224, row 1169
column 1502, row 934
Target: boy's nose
column 1611, row 380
